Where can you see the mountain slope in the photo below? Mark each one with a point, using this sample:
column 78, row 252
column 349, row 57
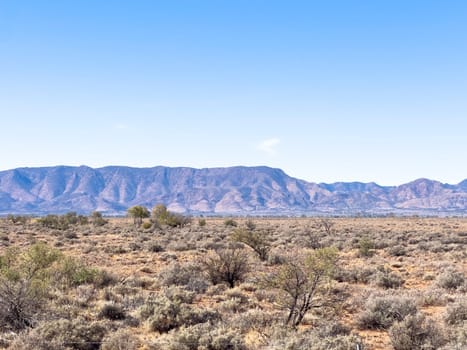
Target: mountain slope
column 244, row 190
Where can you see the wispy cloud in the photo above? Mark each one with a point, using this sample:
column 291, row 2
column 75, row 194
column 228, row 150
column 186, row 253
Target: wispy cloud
column 269, row 146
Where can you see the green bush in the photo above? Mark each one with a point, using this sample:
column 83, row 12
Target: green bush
column 366, row 247
column 230, row 223
column 24, row 284
column 146, row 225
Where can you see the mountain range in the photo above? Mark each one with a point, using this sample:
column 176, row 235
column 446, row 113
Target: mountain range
column 232, row 190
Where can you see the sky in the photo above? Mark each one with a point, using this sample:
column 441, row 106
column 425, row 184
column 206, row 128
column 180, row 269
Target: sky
column 335, row 90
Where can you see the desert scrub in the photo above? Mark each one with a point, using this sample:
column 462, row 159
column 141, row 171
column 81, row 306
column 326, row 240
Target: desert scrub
column 230, row 223
column 122, row 339
column 387, row 279
column 112, row 312
column 380, row 312
column 167, row 312
column 366, row 247
column 456, row 313
column 416, row 332
column 25, row 282
column 206, row 336
column 313, row 339
column 433, row 297
column 451, row 279
column 226, row 266
column 63, row 334
column 189, row 276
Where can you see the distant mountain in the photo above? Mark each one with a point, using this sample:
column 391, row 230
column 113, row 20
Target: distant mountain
column 233, row 190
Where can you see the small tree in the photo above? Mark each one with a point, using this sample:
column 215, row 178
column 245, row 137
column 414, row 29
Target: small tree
column 327, row 225
column 162, row 216
column 226, row 265
column 138, row 213
column 254, row 239
column 159, row 213
column 24, row 282
column 97, row 219
column 301, row 283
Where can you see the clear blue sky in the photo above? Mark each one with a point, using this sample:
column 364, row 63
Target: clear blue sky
column 326, row 90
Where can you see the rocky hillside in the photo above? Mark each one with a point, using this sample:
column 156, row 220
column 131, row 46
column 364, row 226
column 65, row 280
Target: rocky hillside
column 236, row 190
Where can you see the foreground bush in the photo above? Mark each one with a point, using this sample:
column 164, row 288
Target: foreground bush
column 456, row 313
column 415, row 332
column 206, row 336
column 188, row 276
column 380, row 312
column 226, row 266
column 451, row 279
column 63, row 334
column 167, row 312
column 24, row 283
column 314, row 339
column 302, row 281
column 120, row 340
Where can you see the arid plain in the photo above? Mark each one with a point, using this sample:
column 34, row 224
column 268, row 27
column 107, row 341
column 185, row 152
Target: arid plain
column 234, row 283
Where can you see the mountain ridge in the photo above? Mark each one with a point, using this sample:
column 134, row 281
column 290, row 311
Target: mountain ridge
column 243, row 190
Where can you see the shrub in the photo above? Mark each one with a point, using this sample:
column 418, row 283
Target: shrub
column 300, row 283
column 415, row 332
column 397, row 250
column 18, row 219
column 77, row 334
column 188, row 276
column 155, row 247
column 230, row 223
column 122, row 339
column 112, row 312
column 387, row 279
column 226, row 265
column 202, row 222
column 208, row 337
column 382, row 311
column 255, row 240
column 54, row 222
column 312, row 339
column 433, row 297
column 97, row 219
column 24, row 283
column 164, row 314
column 456, row 313
column 366, row 247
column 146, row 225
column 451, row 279
column 71, row 273
column 161, row 216
column 138, row 213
